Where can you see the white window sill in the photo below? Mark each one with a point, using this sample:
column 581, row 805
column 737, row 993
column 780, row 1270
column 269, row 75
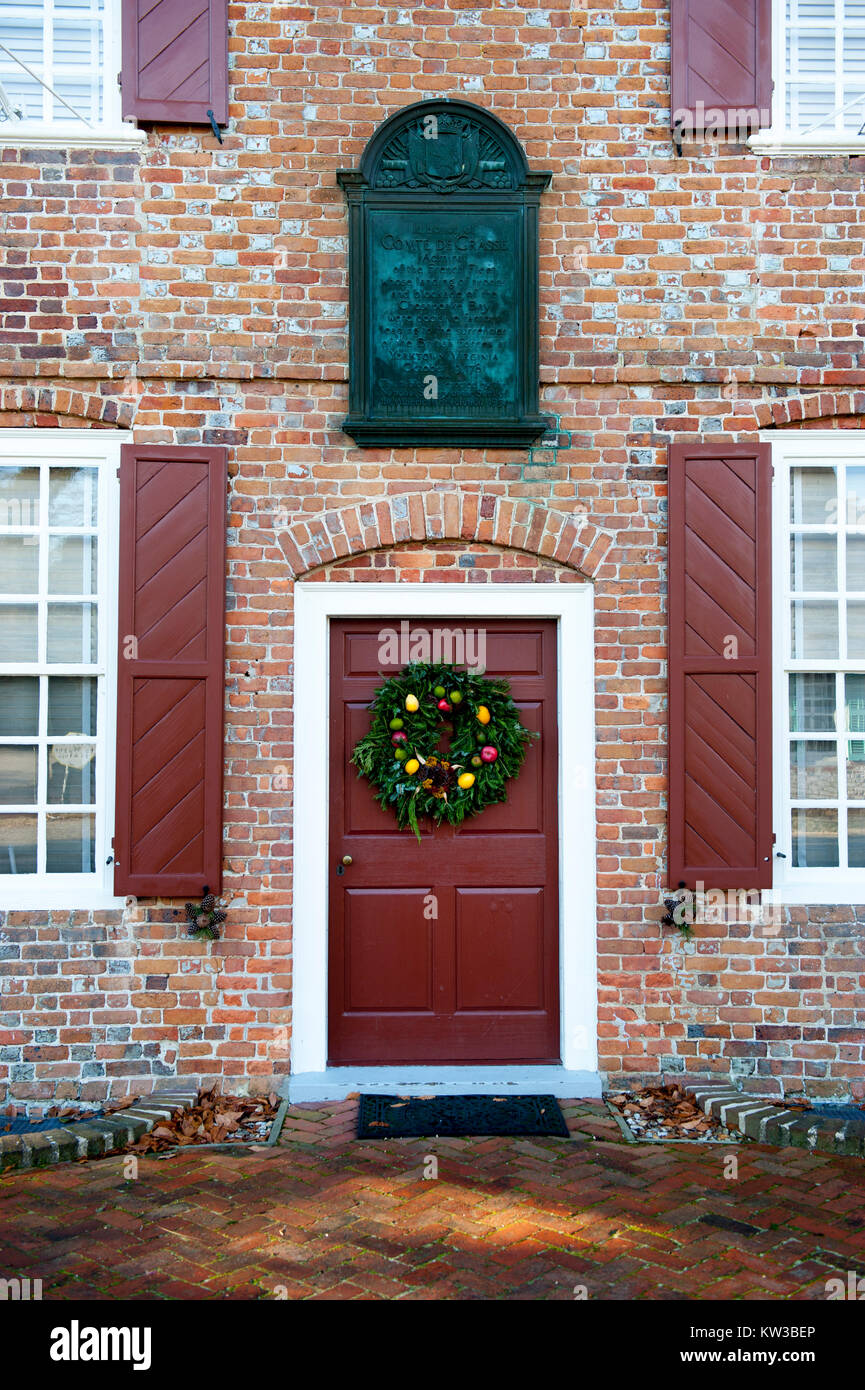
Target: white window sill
column 777, row 143
column 57, row 137
column 818, row 892
column 75, row 893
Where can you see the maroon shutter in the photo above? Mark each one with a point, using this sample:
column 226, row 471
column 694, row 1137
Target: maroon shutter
column 168, row 819
column 720, row 605
column 175, row 60
column 721, row 58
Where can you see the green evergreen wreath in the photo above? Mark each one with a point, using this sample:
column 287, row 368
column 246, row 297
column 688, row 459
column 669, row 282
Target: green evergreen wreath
column 400, row 754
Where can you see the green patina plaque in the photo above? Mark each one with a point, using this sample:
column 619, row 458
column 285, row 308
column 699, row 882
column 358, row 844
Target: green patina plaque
column 444, row 283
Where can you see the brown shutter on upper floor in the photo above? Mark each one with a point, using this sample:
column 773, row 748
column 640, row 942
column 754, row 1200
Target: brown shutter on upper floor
column 721, row 60
column 170, row 686
column 175, row 60
column 720, row 666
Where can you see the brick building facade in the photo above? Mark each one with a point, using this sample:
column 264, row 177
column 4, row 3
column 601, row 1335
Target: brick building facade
column 176, row 290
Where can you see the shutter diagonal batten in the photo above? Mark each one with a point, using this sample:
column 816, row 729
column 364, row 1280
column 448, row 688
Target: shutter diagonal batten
column 168, row 822
column 720, row 807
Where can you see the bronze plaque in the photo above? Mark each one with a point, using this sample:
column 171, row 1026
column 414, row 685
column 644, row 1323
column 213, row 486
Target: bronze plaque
column 443, row 313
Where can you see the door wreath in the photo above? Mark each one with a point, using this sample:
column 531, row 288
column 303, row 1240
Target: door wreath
column 400, row 755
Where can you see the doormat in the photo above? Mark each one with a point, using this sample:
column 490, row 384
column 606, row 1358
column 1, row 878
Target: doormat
column 420, row 1117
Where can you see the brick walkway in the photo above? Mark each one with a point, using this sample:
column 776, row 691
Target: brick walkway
column 326, row 1216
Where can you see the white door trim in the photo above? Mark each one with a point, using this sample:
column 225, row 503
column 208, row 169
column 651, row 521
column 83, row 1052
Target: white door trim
column 572, row 606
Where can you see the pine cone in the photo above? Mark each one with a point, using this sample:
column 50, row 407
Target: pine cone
column 219, row 915
column 191, row 911
column 208, row 903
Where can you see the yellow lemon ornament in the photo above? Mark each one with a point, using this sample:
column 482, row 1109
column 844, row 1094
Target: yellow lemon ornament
column 412, row 766
column 484, row 715
column 466, row 780
column 412, row 704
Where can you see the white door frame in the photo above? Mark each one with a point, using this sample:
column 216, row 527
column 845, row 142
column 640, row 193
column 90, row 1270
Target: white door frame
column 315, row 604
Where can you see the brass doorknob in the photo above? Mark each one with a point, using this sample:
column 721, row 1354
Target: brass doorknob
column 346, row 859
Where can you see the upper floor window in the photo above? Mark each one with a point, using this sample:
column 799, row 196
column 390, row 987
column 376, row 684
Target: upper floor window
column 59, row 61
column 819, row 76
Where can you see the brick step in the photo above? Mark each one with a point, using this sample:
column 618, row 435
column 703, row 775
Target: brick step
column 758, row 1118
column 93, row 1138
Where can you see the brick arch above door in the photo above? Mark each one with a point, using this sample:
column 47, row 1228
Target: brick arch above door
column 565, row 537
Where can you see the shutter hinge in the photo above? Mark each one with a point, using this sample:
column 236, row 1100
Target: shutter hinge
column 678, row 129
column 214, row 127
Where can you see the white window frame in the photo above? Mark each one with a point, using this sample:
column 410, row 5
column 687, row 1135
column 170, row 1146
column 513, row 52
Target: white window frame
column 778, row 139
column 111, row 132
column 791, row 885
column 102, row 449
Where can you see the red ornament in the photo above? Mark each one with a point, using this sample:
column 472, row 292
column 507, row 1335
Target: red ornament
column 444, row 706
column 489, row 754
column 397, row 739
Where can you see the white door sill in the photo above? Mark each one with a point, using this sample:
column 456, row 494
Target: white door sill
column 336, row 1083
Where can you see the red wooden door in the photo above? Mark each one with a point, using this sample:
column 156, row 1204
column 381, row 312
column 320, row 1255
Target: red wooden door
column 479, row 981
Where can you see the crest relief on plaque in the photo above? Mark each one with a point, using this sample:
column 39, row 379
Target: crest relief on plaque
column 443, row 284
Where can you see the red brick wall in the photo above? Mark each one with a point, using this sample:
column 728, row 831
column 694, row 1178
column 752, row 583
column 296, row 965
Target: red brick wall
column 198, row 293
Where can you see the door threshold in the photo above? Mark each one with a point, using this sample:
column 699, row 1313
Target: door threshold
column 336, row 1083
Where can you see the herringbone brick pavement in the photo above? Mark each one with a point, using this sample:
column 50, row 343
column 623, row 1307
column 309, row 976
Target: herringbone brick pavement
column 324, row 1216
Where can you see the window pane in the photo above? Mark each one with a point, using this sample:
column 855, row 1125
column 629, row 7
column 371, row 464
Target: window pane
column 69, row 844
column 856, row 839
column 808, row 105
column 71, row 773
column 17, row 775
column 19, row 705
column 804, row 11
column 814, row 563
column 72, row 497
column 21, row 30
column 814, row 630
column 19, row 494
column 815, row 839
column 813, row 495
column 856, row 495
column 856, row 769
column 856, row 630
column 813, row 771
column 19, row 565
column 71, row 705
column 854, row 700
column 72, row 633
column 78, row 59
column 854, row 118
column 856, row 564
column 812, row 703
column 17, row 844
column 18, row 632
column 811, row 53
column 72, row 565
